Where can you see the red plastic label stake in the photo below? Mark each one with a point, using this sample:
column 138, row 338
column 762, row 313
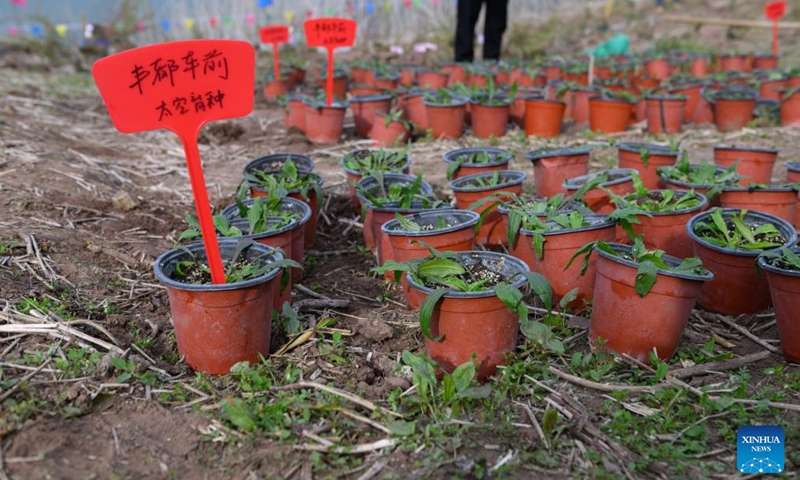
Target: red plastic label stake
column 181, row 86
column 774, row 11
column 275, row 34
column 330, row 33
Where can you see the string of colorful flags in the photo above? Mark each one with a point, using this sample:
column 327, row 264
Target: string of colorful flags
column 167, row 25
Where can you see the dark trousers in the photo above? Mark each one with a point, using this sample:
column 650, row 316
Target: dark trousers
column 495, row 25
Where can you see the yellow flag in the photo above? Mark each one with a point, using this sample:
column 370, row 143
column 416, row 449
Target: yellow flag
column 388, row 5
column 61, row 29
column 189, row 23
column 289, row 16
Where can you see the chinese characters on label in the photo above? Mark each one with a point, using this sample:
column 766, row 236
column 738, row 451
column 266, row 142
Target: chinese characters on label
column 180, row 72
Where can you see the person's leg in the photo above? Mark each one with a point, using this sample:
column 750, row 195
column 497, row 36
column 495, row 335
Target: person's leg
column 496, row 19
column 468, row 13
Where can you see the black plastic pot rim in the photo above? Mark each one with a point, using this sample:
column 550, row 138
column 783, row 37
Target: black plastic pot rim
column 416, row 207
column 162, row 276
column 456, row 101
column 783, row 226
column 470, row 219
column 653, row 149
column 509, row 260
column 792, row 166
column 388, row 179
column 746, row 149
column 767, row 189
column 666, row 98
column 378, row 97
column 611, row 100
column 570, row 184
column 517, row 177
column 294, row 223
column 254, row 164
column 234, row 209
column 319, row 179
column 703, row 203
column 545, row 100
column 535, row 155
column 503, row 155
column 668, row 259
column 602, row 222
column 762, row 263
column 502, row 105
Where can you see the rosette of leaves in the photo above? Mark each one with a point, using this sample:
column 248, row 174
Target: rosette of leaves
column 734, row 232
column 367, row 161
column 703, row 173
column 478, row 158
column 398, row 195
column 285, row 180
column 649, row 263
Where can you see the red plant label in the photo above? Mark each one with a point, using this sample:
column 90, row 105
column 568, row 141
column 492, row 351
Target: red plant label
column 330, row 32
column 178, row 86
column 274, row 34
column 775, row 10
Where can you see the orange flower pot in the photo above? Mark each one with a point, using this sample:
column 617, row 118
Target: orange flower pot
column 765, row 62
column 667, row 230
column 777, row 201
column 619, row 182
column 543, row 118
column 339, row 85
column 630, row 156
column 416, row 112
column 446, row 121
column 755, row 164
column 692, row 95
column 500, row 158
column 489, row 121
column 771, row 89
column 790, row 110
column 609, row 115
column 395, row 133
column 733, row 114
column 492, row 230
column 297, row 113
column 665, row 113
column 784, row 290
column 432, row 80
column 552, row 166
column 793, row 176
column 308, row 197
column 325, row 124
column 275, row 89
column 657, row 69
column 364, row 109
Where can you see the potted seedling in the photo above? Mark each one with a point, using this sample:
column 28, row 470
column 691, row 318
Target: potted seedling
column 358, row 163
column 770, row 85
column 547, row 244
column 390, row 129
column 553, row 165
column 782, row 269
column 470, row 192
column 646, row 158
column 340, row 81
column 543, row 116
column 598, row 198
column 445, row 113
column 411, row 237
column 432, row 79
column 733, row 108
column 382, row 195
column 790, row 107
column 642, row 298
column 276, row 161
column 472, row 305
column 259, row 208
column 414, row 109
column 705, row 178
column 289, row 181
column 219, row 325
column 296, row 111
column 490, row 110
column 610, row 112
column 753, row 164
column 467, row 161
column 665, row 113
column 273, row 87
column 660, row 216
column 516, row 111
column 365, row 107
column 728, row 242
column 324, row 123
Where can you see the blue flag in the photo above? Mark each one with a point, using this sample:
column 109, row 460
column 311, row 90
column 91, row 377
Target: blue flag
column 165, row 25
column 369, row 7
column 264, row 3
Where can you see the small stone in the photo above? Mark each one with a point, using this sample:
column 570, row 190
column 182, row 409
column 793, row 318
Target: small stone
column 398, row 382
column 377, row 331
column 123, row 201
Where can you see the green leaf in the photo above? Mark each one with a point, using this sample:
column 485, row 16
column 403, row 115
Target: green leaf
column 542, row 334
column 646, row 277
column 119, row 363
column 426, row 311
column 549, row 421
column 541, row 287
column 512, row 298
column 568, row 298
column 439, row 267
column 401, row 428
column 661, row 371
column 463, row 375
column 406, row 224
column 239, row 414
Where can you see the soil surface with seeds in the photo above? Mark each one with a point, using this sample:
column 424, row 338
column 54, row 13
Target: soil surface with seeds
column 92, row 384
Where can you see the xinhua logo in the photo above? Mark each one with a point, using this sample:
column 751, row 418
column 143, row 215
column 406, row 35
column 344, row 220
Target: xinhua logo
column 759, row 449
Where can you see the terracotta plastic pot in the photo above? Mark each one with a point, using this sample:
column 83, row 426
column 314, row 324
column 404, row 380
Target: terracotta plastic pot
column 738, row 288
column 552, row 166
column 489, row 121
column 491, row 231
column 364, row 109
column 275, row 89
column 287, row 205
column 297, row 76
column 395, row 133
column 790, row 110
column 459, row 236
column 630, row 156
column 692, row 95
column 619, row 182
column 297, row 113
column 704, row 111
column 359, row 74
column 580, row 104
column 553, row 72
column 500, row 158
column 735, row 63
column 388, row 83
column 474, row 323
column 755, row 164
column 765, row 62
column 609, row 115
column 667, row 230
column 775, row 200
column 793, row 176
column 432, row 80
column 665, row 113
column 732, row 115
column 275, row 161
column 456, row 73
column 325, row 124
column 372, row 226
column 361, row 90
column 416, row 112
column 658, row 68
column 771, row 89
column 217, row 326
column 699, row 67
column 558, row 248
column 627, row 323
column 446, row 121
column 784, row 290
column 407, row 76
column 308, row 197
column 339, row 85
column 355, row 176
column 543, row 118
